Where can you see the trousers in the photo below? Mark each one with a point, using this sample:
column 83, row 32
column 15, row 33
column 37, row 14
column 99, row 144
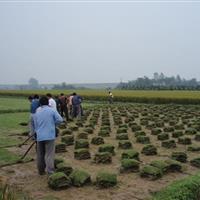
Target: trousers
column 45, row 156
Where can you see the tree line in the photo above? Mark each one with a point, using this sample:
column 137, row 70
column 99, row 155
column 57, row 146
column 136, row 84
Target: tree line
column 160, row 82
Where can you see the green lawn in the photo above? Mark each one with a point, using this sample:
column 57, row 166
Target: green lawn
column 7, row 157
column 10, row 121
column 185, row 189
column 9, row 127
column 14, row 103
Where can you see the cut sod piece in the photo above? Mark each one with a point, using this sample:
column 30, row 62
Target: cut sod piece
column 81, row 143
column 193, row 148
column 149, row 150
column 169, row 144
column 143, row 139
column 168, row 129
column 107, row 148
column 97, row 140
column 131, row 154
column 65, row 168
column 82, row 154
column 57, row 161
column 80, row 178
column 66, row 132
column 125, row 144
column 122, row 136
column 195, row 162
column 156, row 131
column 82, row 135
column 74, row 128
column 105, row 179
column 184, row 140
column 197, row 137
column 179, row 156
column 129, row 165
column 174, row 166
column 88, row 130
column 60, row 148
column 58, row 181
column 140, row 133
column 68, row 140
column 122, row 130
column 104, row 133
column 151, row 172
column 177, row 134
column 136, row 128
column 190, row 131
column 160, row 164
column 103, row 157
column 163, row 136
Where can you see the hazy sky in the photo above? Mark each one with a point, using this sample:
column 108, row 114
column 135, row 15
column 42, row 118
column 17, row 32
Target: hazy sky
column 85, row 42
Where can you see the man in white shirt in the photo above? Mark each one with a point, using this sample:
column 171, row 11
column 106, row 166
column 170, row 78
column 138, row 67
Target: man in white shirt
column 52, row 102
column 110, row 97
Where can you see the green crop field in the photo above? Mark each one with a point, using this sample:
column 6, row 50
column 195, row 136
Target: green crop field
column 146, row 96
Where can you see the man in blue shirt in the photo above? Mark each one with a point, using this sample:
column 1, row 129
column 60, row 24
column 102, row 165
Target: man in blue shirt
column 45, row 120
column 35, row 104
column 33, row 107
column 76, row 105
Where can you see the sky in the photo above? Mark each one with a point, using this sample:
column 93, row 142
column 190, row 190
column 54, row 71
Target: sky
column 98, row 41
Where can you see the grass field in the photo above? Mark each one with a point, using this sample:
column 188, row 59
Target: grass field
column 10, row 129
column 14, row 103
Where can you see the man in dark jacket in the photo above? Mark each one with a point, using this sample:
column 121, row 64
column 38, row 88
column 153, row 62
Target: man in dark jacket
column 33, row 107
column 63, row 106
column 76, row 105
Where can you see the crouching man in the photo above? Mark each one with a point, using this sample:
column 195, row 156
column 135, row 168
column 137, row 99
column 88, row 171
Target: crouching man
column 45, row 121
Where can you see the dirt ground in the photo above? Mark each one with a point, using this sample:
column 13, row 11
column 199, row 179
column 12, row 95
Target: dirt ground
column 131, row 186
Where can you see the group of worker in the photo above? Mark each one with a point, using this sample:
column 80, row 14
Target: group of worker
column 66, row 105
column 46, row 113
column 69, row 105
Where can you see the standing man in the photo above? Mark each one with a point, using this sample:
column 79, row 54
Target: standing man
column 35, row 103
column 52, row 102
column 110, row 98
column 69, row 104
column 76, row 105
column 45, row 121
column 33, row 107
column 57, row 100
column 30, row 98
column 63, row 106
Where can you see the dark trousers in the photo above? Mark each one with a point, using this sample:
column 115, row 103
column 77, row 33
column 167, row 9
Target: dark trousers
column 110, row 100
column 45, row 156
column 81, row 110
column 75, row 110
column 70, row 110
column 64, row 111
